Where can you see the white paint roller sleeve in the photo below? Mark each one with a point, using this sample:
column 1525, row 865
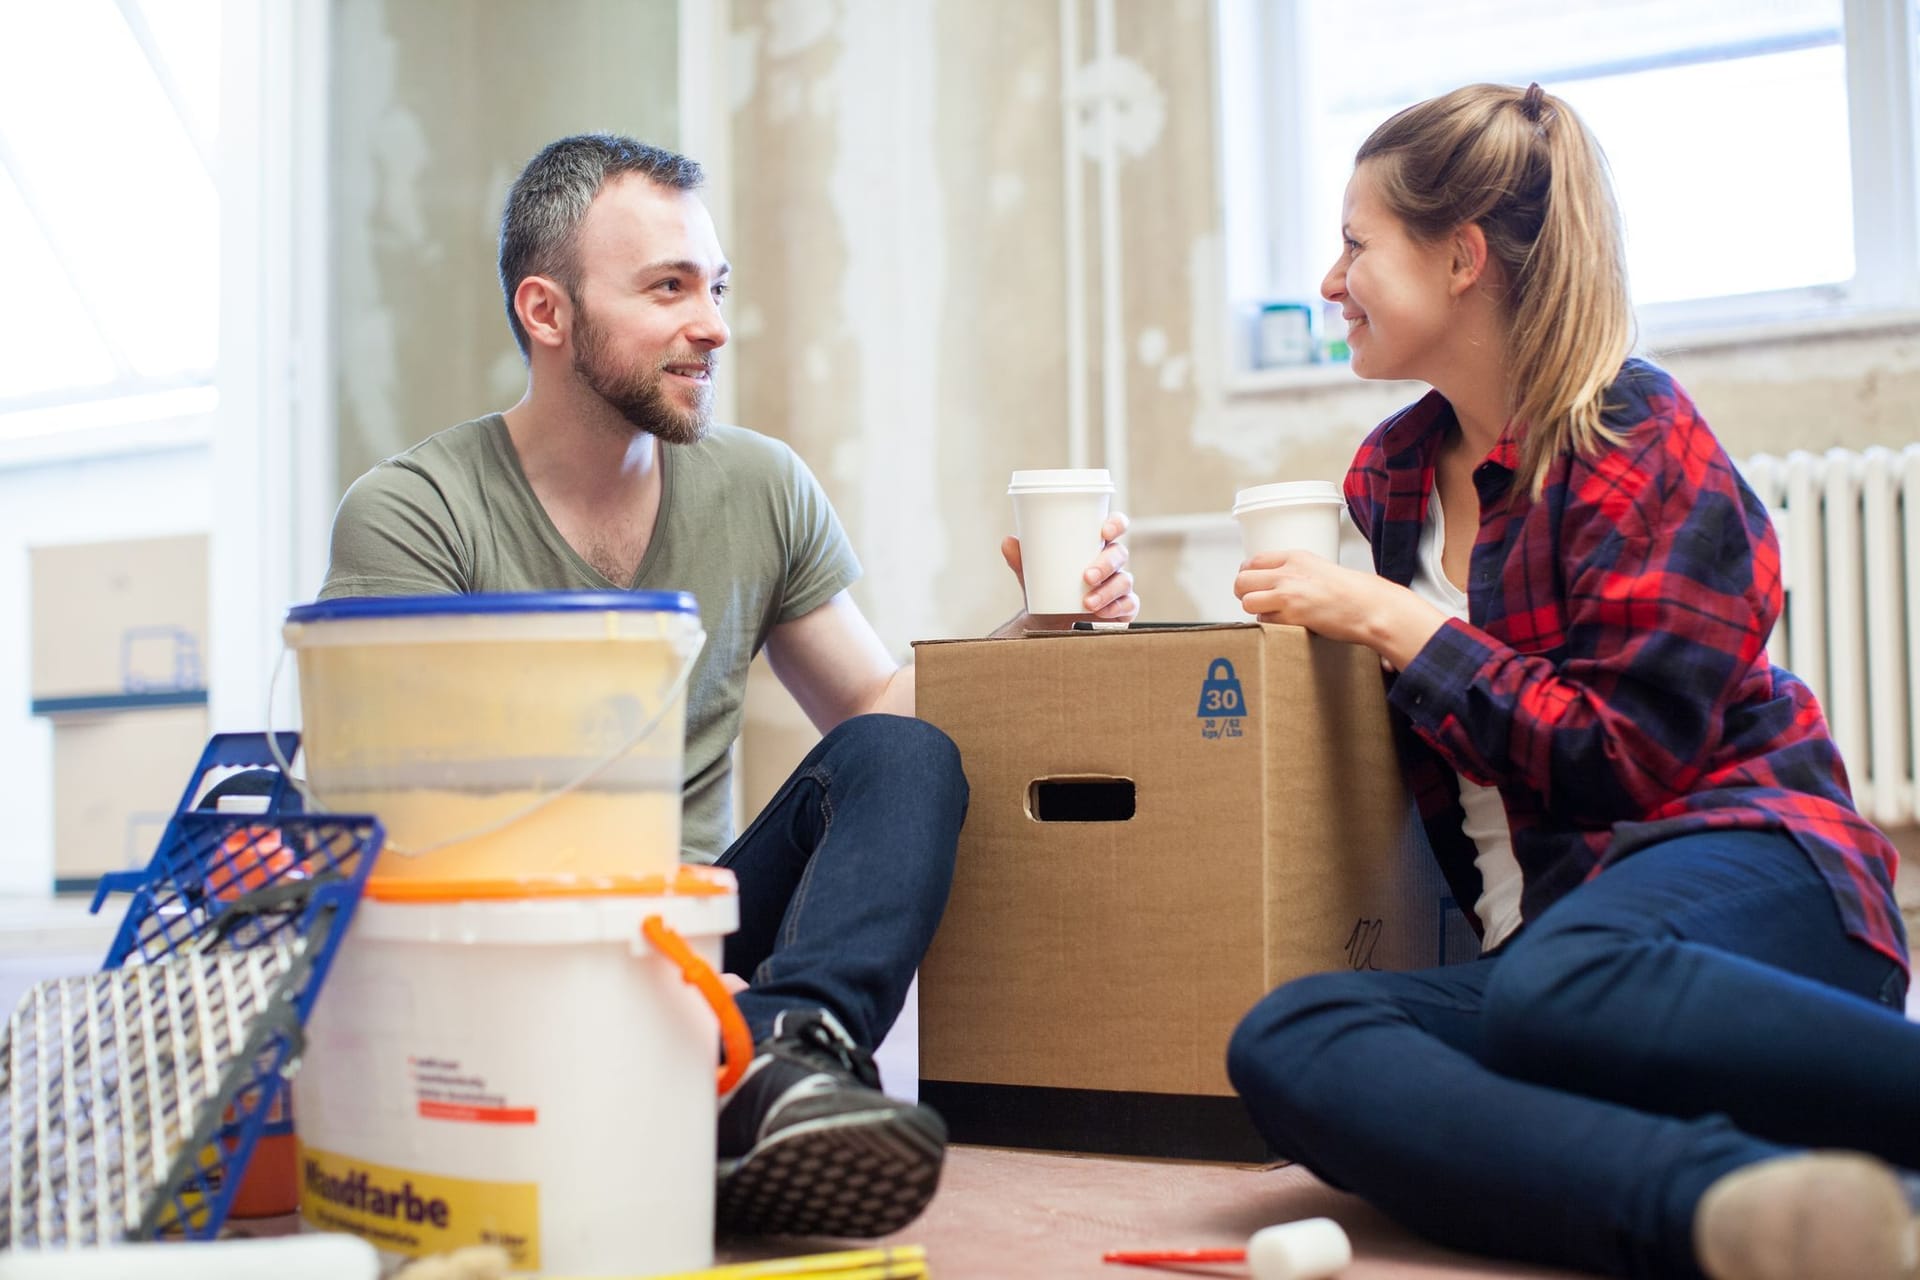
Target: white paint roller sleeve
column 300, row 1257
column 1311, row 1249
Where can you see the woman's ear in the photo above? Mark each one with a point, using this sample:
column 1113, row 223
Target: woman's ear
column 1469, row 262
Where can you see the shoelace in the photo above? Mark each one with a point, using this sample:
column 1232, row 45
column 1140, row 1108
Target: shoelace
column 818, row 1037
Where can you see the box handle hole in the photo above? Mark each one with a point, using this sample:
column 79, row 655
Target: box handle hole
column 1080, row 800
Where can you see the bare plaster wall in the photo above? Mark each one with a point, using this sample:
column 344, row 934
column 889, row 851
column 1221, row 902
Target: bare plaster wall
column 897, row 225
column 899, row 235
column 899, row 238
column 435, row 106
column 1850, row 390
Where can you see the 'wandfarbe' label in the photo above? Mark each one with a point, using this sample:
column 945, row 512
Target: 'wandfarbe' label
column 412, row 1213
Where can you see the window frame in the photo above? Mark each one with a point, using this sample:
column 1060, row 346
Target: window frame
column 1259, row 84
column 107, row 416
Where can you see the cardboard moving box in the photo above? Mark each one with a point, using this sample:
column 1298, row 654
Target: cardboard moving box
column 119, row 624
column 117, row 778
column 1164, row 826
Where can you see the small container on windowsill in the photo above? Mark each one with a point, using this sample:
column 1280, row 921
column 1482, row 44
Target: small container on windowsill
column 1283, row 335
column 1333, row 347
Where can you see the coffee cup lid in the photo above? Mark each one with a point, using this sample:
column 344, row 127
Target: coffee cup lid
column 1062, row 480
column 1286, row 494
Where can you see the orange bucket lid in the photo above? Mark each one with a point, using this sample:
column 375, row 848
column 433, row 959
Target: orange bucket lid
column 684, row 882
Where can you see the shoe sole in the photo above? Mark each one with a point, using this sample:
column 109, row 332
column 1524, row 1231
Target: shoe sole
column 1828, row 1215
column 860, row 1174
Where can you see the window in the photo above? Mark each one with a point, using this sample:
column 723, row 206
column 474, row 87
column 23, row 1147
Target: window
column 108, row 208
column 1762, row 150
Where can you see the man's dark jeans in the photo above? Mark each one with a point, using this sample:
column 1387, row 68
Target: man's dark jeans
column 845, row 873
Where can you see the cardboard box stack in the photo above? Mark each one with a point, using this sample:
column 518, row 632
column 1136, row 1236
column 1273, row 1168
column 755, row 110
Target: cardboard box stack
column 1164, row 826
column 119, row 666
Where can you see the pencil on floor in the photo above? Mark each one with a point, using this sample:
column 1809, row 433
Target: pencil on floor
column 1164, row 1257
column 896, row 1262
column 875, row 1271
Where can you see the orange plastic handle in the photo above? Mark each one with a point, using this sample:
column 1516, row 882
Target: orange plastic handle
column 734, row 1036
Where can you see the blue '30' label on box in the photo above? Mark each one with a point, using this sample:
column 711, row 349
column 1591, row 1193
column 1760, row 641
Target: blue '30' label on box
column 1222, row 704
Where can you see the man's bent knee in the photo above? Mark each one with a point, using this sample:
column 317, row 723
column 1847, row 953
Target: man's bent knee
column 901, row 744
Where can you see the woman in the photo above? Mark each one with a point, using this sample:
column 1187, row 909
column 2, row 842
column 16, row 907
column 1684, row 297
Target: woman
column 1693, row 967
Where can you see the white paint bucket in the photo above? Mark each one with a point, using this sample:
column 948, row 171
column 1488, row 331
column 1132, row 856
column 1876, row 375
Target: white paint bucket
column 536, row 734
column 485, row 1066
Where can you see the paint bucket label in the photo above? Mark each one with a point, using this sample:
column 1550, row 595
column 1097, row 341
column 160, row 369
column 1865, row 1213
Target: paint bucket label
column 411, row 1212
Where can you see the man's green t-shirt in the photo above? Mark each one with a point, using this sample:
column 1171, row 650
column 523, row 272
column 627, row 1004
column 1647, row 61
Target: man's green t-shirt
column 743, row 526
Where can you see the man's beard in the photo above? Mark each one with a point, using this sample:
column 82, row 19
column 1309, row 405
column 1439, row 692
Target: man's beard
column 641, row 397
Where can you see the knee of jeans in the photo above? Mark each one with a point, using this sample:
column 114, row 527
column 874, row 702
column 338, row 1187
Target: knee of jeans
column 1546, row 996
column 909, row 749
column 1272, row 1053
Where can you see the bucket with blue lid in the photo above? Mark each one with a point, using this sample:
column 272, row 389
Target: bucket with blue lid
column 532, row 735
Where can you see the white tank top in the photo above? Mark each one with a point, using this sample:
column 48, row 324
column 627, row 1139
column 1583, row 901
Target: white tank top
column 1485, row 822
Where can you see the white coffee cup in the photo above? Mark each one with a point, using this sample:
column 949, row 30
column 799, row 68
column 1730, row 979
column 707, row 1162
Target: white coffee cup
column 1057, row 517
column 1300, row 515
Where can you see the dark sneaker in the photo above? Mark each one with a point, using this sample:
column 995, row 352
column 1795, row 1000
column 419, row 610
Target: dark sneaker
column 810, row 1146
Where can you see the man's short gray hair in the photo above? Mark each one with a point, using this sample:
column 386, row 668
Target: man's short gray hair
column 541, row 223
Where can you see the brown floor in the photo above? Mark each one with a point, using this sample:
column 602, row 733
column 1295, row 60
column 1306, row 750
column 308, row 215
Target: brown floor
column 1027, row 1215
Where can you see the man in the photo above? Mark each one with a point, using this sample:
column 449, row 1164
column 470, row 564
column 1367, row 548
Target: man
column 609, row 474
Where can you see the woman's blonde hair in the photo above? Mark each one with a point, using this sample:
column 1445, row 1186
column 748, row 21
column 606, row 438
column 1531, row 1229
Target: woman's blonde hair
column 1522, row 166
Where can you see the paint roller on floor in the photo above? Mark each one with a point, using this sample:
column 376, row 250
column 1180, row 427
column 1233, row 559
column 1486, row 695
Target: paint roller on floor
column 1310, row 1249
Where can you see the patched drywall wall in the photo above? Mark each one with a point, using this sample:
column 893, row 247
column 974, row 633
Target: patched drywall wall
column 901, row 239
column 899, row 234
column 899, row 188
column 435, row 106
column 896, row 225
column 1851, row 390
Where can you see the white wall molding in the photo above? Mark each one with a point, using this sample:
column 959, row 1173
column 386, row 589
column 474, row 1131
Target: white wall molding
column 274, row 467
column 1095, row 97
column 706, row 130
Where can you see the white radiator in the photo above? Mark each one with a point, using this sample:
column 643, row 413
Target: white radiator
column 1849, row 527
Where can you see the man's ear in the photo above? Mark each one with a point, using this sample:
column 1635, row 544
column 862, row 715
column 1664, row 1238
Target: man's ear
column 545, row 310
column 1469, row 262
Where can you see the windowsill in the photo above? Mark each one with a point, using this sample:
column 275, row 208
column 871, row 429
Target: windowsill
column 128, row 425
column 1709, row 337
column 1295, row 377
column 1657, row 340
